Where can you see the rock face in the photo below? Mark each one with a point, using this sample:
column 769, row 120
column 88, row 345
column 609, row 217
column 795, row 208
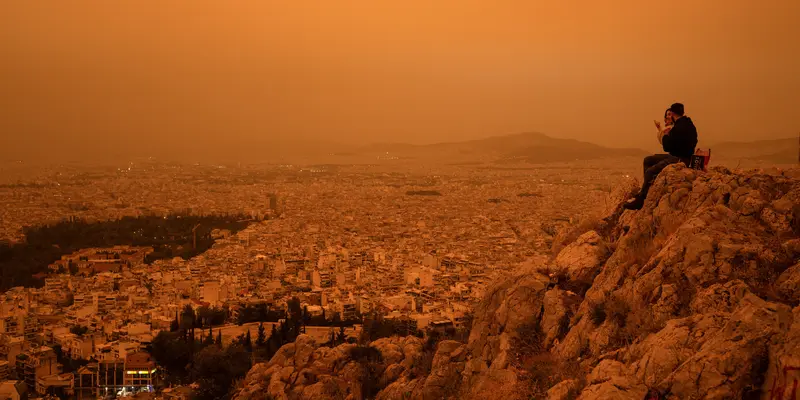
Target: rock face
column 696, row 296
column 583, row 259
column 303, row 370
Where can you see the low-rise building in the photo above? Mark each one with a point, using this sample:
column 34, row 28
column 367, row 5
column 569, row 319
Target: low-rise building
column 5, row 371
column 140, row 371
column 36, row 363
column 13, row 390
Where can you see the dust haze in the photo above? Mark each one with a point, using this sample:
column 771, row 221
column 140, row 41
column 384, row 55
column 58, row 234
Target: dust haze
column 94, row 80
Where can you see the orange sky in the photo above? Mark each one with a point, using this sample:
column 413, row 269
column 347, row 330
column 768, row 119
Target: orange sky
column 100, row 74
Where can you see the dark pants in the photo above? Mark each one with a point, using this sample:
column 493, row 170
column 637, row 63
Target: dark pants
column 653, row 165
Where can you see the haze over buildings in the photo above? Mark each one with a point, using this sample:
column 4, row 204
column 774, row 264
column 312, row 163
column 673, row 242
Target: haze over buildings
column 206, row 80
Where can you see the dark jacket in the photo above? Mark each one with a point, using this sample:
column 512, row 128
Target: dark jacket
column 682, row 139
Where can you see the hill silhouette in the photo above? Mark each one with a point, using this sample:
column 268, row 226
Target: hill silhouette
column 775, row 151
column 528, row 147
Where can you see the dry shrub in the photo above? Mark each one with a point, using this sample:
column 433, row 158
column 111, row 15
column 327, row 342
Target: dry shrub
column 538, row 369
column 541, row 372
column 423, row 363
column 597, row 313
column 370, row 360
column 796, row 219
column 761, row 274
column 641, row 249
column 530, row 338
column 642, row 321
column 617, row 310
column 635, row 323
column 563, row 326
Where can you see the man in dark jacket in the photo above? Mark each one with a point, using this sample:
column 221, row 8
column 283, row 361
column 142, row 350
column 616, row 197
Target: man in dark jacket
column 679, row 143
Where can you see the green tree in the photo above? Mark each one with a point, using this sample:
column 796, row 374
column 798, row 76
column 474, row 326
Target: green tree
column 78, row 330
column 274, row 341
column 209, row 340
column 187, row 319
column 341, row 337
column 218, row 342
column 174, row 325
column 337, row 319
column 215, row 370
column 73, row 268
column 295, row 311
column 261, row 339
column 171, row 351
column 248, row 342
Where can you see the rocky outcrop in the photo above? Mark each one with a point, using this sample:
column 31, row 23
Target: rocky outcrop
column 694, row 296
column 304, row 370
column 581, row 260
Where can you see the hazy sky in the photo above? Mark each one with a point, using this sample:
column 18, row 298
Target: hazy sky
column 103, row 75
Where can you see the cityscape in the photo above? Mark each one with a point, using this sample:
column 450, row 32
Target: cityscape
column 399, row 200
column 350, row 243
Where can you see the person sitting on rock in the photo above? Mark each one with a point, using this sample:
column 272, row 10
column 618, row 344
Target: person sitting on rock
column 679, row 142
column 667, row 126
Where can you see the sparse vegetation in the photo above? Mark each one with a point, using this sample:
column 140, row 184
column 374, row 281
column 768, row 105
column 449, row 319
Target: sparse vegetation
column 424, row 362
column 544, row 371
column 78, row 330
column 617, row 310
column 642, row 249
column 363, row 354
column 539, row 369
column 598, row 314
column 563, row 325
column 530, row 338
column 371, row 362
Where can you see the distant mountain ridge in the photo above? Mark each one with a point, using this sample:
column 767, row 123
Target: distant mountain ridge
column 779, row 151
column 528, row 147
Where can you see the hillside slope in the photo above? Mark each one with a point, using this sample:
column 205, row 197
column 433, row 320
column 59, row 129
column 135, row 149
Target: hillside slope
column 694, row 297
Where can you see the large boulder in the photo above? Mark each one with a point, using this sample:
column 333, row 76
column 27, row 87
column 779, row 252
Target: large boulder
column 582, row 259
column 305, row 370
column 612, row 380
column 788, row 284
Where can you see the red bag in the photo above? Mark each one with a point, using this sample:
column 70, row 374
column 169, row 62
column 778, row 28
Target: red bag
column 700, row 159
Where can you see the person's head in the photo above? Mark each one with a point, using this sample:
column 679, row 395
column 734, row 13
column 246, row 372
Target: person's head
column 675, row 111
column 668, row 117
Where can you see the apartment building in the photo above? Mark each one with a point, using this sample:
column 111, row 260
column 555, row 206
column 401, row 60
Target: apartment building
column 36, row 363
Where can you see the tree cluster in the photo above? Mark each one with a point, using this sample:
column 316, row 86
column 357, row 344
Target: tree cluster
column 170, row 237
column 259, row 313
column 187, row 357
column 376, row 327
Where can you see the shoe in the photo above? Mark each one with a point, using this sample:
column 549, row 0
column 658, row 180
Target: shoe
column 635, row 204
